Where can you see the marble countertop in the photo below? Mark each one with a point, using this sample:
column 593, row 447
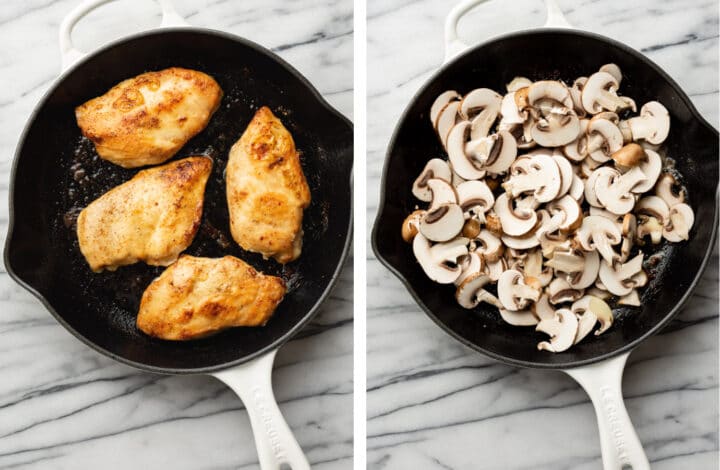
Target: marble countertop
column 435, row 404
column 64, row 406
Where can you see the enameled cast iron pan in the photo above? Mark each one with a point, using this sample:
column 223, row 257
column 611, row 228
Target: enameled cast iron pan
column 56, row 172
column 556, row 53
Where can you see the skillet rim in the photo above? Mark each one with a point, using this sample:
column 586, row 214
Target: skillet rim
column 629, row 346
column 342, row 119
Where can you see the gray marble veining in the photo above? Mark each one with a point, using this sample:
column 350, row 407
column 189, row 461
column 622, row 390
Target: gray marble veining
column 64, row 406
column 434, row 404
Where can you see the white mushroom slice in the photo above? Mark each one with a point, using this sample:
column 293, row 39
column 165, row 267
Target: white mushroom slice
column 653, row 124
column 502, row 153
column 510, row 112
column 475, row 198
column 443, row 223
column 654, row 207
column 577, row 189
column 538, row 175
column 577, row 150
column 456, row 179
column 626, row 132
column 557, row 129
column 560, row 291
column 586, row 317
column 517, row 83
column 566, row 174
column 629, row 155
column 605, row 173
column 489, row 246
column 446, row 120
column 632, row 299
column 587, row 166
column 680, row 221
column 470, row 292
column 470, row 265
column 542, row 308
column 411, row 224
column 604, row 139
column 550, row 242
column 650, row 167
column 562, row 329
column 495, row 268
column 566, row 214
column 576, row 95
column 613, row 70
column 599, row 93
column 601, row 234
column 567, row 262
column 599, row 293
column 533, row 268
column 616, row 280
column 603, row 313
column 520, row 318
column 440, row 102
column 524, row 242
column 650, row 226
column 442, row 193
column 552, row 90
column 435, row 168
column 614, row 192
column 462, row 164
column 629, row 232
column 440, row 261
column 513, row 223
column 630, row 268
column 478, row 101
column 665, row 190
column 513, row 293
column 585, row 278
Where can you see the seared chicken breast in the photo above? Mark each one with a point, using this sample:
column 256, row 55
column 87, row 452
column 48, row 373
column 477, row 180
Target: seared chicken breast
column 196, row 297
column 152, row 218
column 145, row 120
column 267, row 190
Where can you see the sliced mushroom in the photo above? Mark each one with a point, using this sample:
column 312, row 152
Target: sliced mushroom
column 560, row 291
column 586, row 317
column 442, row 193
column 566, row 174
column 496, row 268
column 604, row 139
column 435, row 168
column 475, row 198
column 513, row 222
column 492, row 223
column 471, row 228
column 566, row 214
column 680, row 221
column 629, row 155
column 530, row 239
column 605, row 173
column 549, row 92
column 600, row 93
column 470, row 265
column 577, row 150
column 613, row 70
column 479, row 101
column 601, row 234
column 542, row 308
column 576, row 95
column 440, row 102
column 577, row 189
column 650, row 226
column 653, row 124
column 632, row 299
column 588, row 275
column 513, row 293
column 519, row 318
column 502, row 153
column 538, row 175
column 471, row 292
column 410, row 225
column 665, row 190
column 489, row 246
column 617, row 279
column 629, row 233
column 614, row 190
column 562, row 329
column 465, row 166
column 440, row 261
column 446, row 120
column 603, row 313
column 517, row 83
column 533, row 267
column 653, row 206
column 650, row 167
column 510, row 112
column 557, row 129
column 443, row 223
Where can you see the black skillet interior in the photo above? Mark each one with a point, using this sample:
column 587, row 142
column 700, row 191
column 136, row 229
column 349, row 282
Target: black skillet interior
column 57, row 172
column 550, row 54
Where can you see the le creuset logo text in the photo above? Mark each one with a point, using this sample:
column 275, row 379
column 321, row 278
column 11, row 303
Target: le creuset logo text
column 609, row 402
column 267, row 420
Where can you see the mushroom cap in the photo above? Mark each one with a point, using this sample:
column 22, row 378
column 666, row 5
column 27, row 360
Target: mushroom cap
column 446, row 120
column 603, row 313
column 614, row 279
column 436, row 168
column 461, row 163
column 479, row 100
column 513, row 222
column 470, row 292
column 613, row 70
column 653, row 124
column 442, row 223
column 562, row 329
column 665, row 190
column 489, row 246
column 410, row 225
column 629, row 155
column 680, row 221
column 549, row 90
column 609, row 137
column 517, row 83
column 654, row 207
column 440, row 102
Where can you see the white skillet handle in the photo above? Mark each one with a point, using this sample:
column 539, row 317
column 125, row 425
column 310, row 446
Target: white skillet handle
column 619, row 443
column 276, row 446
column 70, row 54
column 454, row 45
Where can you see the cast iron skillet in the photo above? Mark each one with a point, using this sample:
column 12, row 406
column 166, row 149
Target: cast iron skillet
column 550, row 54
column 56, row 172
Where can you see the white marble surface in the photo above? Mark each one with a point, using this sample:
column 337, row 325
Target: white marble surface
column 434, row 404
column 63, row 406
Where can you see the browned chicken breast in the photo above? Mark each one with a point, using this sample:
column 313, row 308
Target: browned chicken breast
column 145, row 120
column 152, row 218
column 196, row 297
column 266, row 190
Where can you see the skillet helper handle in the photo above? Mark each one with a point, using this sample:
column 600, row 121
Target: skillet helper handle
column 70, row 55
column 454, row 45
column 620, row 445
column 276, row 446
